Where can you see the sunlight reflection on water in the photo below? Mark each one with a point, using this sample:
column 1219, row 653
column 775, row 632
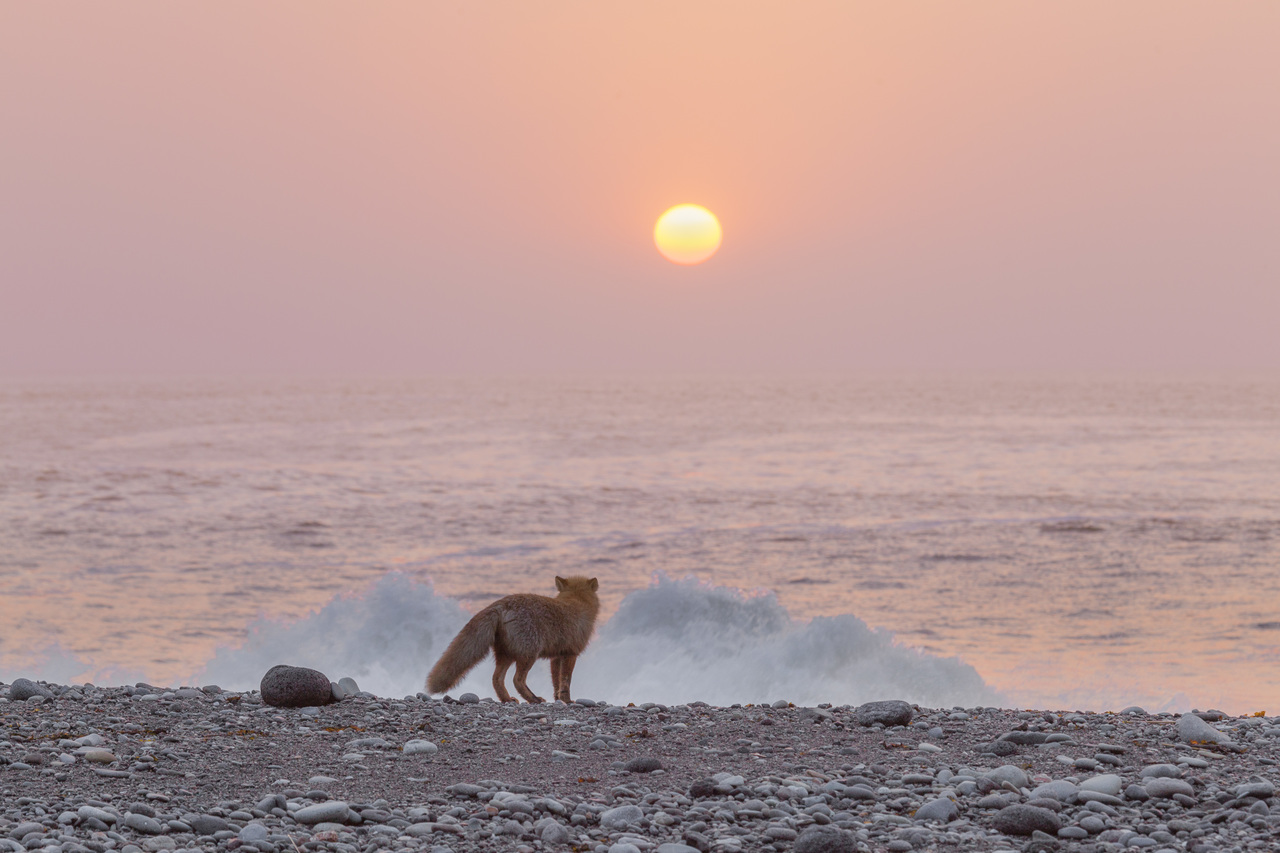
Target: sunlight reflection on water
column 1081, row 542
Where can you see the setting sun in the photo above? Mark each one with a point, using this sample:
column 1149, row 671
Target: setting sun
column 687, row 234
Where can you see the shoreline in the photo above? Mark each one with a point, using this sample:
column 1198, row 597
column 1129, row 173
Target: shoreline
column 145, row 770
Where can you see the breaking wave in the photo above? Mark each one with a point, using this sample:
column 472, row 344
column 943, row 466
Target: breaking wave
column 676, row 641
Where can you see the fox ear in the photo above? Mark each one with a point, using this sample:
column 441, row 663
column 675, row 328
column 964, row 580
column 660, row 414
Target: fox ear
column 595, row 584
column 560, row 584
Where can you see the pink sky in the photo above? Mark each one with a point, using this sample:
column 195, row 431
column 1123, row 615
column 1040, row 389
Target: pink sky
column 249, row 187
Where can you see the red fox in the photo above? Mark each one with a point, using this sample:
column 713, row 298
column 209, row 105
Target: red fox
column 521, row 629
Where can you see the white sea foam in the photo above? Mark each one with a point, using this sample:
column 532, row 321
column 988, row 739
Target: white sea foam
column 676, row 641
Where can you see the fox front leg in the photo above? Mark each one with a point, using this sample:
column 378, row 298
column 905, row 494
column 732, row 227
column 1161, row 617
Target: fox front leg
column 567, row 663
column 555, row 677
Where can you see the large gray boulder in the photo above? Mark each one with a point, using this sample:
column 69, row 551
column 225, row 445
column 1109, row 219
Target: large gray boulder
column 295, row 687
column 23, row 689
column 893, row 712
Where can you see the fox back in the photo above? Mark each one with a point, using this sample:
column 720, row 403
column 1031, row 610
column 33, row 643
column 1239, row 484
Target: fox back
column 536, row 626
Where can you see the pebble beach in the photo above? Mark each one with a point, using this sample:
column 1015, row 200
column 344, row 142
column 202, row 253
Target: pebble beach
column 144, row 769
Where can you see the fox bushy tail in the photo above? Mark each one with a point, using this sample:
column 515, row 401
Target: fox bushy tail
column 467, row 649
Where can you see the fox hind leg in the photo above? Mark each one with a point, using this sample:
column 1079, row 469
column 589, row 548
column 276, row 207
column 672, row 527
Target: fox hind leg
column 565, row 669
column 522, row 670
column 500, row 666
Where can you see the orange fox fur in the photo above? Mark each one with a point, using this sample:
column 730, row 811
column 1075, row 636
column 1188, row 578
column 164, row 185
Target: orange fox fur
column 521, row 629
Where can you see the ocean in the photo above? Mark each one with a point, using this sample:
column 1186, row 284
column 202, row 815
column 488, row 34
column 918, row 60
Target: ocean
column 1065, row 543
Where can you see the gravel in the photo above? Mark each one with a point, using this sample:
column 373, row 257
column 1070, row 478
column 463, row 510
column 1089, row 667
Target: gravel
column 212, row 770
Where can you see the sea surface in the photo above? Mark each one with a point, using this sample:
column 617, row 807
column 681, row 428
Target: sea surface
column 1064, row 543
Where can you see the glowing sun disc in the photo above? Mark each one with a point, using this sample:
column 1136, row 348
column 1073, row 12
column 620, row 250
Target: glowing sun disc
column 687, row 234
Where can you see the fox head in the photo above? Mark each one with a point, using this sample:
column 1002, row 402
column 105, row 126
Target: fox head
column 576, row 584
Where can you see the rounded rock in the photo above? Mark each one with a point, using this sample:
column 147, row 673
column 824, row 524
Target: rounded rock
column 1154, row 770
column 254, row 832
column 1059, row 789
column 642, row 764
column 1192, row 729
column 1106, row 783
column 1010, row 773
column 1024, row 820
column 555, row 833
column 702, row 789
column 620, row 817
column 941, row 809
column 295, row 687
column 892, row 712
column 23, row 689
column 1162, row 787
column 205, row 824
column 825, row 839
column 142, row 823
column 332, row 811
column 420, row 747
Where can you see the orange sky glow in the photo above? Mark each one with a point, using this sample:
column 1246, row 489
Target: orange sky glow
column 405, row 187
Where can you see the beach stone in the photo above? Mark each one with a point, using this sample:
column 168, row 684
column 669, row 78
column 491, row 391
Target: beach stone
column 892, row 712
column 23, row 689
column 1025, row 738
column 1001, row 748
column 1024, row 820
column 348, row 686
column 1152, row 771
column 97, row 755
column 92, row 813
column 1059, row 789
column 1010, row 773
column 205, row 824
column 295, row 687
column 22, row 830
column 142, row 823
column 623, row 847
column 469, row 699
column 1092, row 824
column 941, row 809
column 702, row 789
column 1192, row 729
column 825, row 839
column 420, row 747
column 333, row 811
column 1106, row 783
column 675, row 847
column 620, row 817
column 1263, row 790
column 1164, row 787
column 1136, row 793
column 1045, row 803
column 642, row 764
column 253, row 832
column 555, row 833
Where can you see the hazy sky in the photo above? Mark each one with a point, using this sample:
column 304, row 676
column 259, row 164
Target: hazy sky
column 409, row 187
